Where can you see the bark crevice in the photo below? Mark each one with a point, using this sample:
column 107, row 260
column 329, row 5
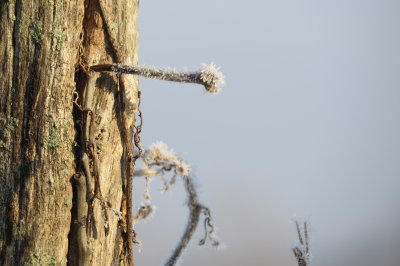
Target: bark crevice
column 39, row 81
column 102, row 97
column 16, row 50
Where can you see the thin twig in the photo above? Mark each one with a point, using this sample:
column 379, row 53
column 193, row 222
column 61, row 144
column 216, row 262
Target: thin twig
column 299, row 233
column 209, row 76
column 302, row 251
column 306, row 237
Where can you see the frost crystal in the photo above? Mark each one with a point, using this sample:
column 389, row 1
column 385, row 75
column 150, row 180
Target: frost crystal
column 159, row 154
column 212, row 77
column 209, row 76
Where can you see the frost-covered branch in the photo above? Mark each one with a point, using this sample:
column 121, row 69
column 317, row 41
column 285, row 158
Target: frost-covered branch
column 158, row 160
column 302, row 250
column 209, row 76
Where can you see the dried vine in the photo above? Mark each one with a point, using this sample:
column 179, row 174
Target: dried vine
column 88, row 180
column 158, row 160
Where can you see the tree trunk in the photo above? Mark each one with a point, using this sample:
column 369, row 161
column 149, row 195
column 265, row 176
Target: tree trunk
column 65, row 132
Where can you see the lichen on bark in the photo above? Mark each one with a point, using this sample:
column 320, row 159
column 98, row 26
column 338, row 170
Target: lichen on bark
column 42, row 44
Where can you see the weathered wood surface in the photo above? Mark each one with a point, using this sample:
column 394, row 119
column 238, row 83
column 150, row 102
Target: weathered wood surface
column 44, row 45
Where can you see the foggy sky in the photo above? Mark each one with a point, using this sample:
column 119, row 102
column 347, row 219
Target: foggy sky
column 307, row 126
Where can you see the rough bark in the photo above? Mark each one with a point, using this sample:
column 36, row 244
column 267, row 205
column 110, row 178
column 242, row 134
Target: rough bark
column 46, row 47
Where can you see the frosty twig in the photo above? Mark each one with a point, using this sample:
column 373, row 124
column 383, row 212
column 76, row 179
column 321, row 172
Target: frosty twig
column 209, row 76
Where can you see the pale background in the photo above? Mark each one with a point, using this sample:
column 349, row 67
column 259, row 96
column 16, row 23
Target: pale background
column 308, row 125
